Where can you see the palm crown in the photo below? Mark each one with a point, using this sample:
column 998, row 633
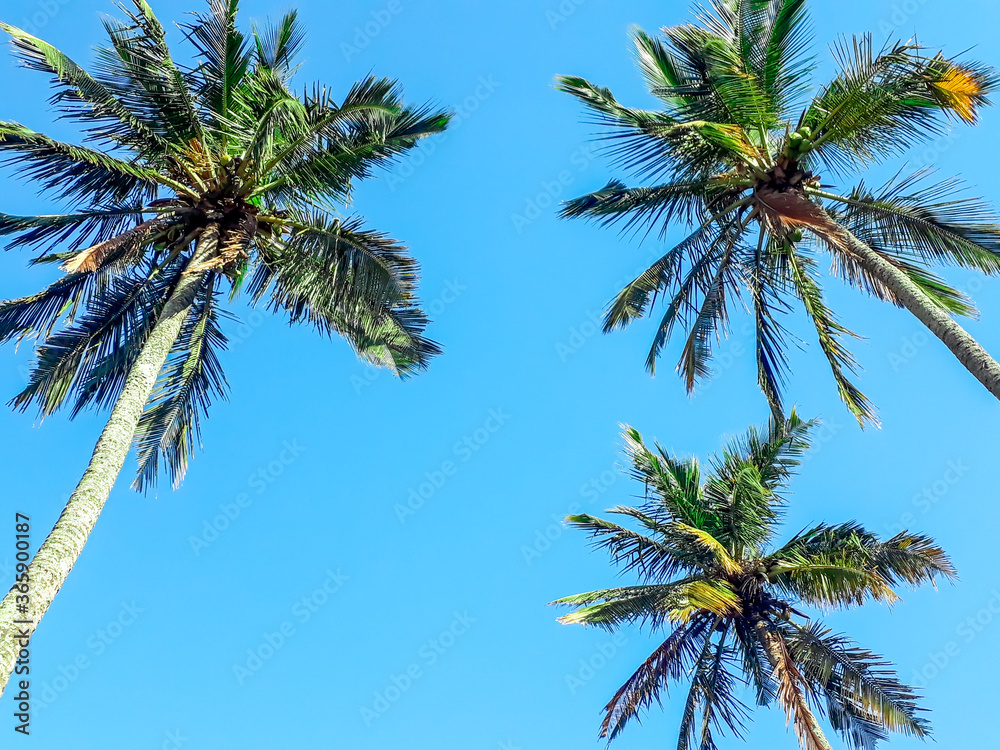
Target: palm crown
column 738, row 148
column 217, row 171
column 710, row 572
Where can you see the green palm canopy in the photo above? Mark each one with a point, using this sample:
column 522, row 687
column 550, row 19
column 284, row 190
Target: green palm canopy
column 743, row 154
column 195, row 183
column 218, row 171
column 714, row 579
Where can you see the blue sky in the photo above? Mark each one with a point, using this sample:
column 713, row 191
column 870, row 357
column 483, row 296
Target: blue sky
column 322, row 599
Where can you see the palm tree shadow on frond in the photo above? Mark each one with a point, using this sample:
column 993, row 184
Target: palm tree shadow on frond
column 713, row 578
column 738, row 152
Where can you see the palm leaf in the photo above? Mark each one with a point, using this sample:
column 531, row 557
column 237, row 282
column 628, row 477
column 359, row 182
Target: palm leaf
column 85, row 99
column 73, row 172
column 861, row 688
column 170, row 425
column 668, row 663
column 830, row 332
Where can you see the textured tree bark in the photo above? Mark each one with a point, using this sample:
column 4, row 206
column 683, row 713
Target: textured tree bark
column 56, row 557
column 966, row 349
column 807, row 728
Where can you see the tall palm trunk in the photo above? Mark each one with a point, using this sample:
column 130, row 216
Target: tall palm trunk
column 807, row 728
column 60, row 551
column 966, row 349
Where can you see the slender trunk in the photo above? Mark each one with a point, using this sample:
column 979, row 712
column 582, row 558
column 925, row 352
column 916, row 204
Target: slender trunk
column 807, row 728
column 58, row 554
column 966, row 349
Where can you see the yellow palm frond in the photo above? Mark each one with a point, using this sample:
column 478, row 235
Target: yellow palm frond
column 958, row 89
column 709, row 542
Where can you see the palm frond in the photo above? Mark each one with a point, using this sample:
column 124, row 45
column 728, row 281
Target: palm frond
column 782, row 64
column 770, row 334
column 170, row 425
column 657, row 145
column 793, row 691
column 278, row 45
column 713, row 691
column 630, row 550
column 905, row 558
column 718, row 83
column 139, row 71
column 76, row 229
column 883, row 102
column 745, row 488
column 865, row 697
column 82, row 98
column 830, row 333
column 225, row 56
column 329, row 147
column 362, row 263
column 672, row 485
column 937, row 223
column 653, row 605
column 111, row 329
column 73, row 172
column 668, row 663
column 710, row 318
column 829, row 579
column 646, row 207
column 37, row 314
column 310, row 286
column 704, row 248
column 755, row 662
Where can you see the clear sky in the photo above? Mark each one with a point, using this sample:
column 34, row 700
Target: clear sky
column 375, row 628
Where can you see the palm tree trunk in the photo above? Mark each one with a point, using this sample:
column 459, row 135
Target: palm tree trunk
column 56, row 557
column 807, row 728
column 966, row 349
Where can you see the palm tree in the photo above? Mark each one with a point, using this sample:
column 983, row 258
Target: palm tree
column 711, row 574
column 737, row 151
column 197, row 180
